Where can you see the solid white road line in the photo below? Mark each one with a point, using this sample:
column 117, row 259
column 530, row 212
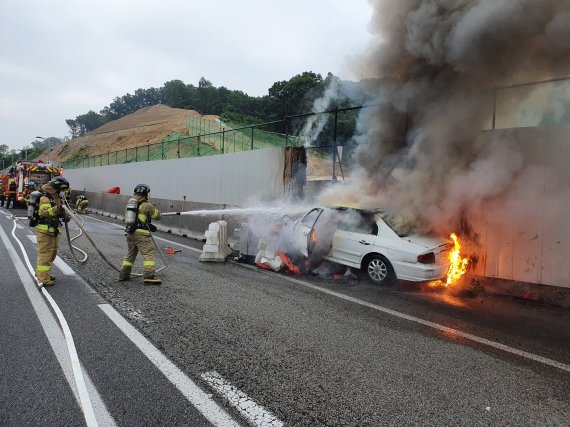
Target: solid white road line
column 195, row 395
column 446, row 329
column 57, row 342
column 84, row 398
column 455, row 332
column 253, row 412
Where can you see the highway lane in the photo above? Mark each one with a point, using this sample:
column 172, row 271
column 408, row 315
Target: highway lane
column 126, row 387
column 311, row 358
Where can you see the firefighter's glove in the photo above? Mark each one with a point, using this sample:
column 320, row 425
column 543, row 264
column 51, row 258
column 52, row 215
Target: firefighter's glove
column 61, row 212
column 152, row 227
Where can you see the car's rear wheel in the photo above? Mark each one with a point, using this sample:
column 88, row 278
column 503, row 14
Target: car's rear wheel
column 379, row 270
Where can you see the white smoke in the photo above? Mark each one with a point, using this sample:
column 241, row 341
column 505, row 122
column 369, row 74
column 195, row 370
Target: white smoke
column 421, row 151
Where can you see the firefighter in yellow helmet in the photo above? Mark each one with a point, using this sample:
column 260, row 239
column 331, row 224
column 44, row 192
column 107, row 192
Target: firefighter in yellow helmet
column 138, row 216
column 81, row 204
column 49, row 217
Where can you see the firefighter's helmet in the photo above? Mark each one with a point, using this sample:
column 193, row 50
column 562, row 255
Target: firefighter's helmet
column 142, row 190
column 81, row 197
column 59, row 183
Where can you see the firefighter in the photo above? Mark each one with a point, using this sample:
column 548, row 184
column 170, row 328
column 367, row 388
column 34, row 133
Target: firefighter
column 50, row 213
column 27, row 191
column 81, row 204
column 138, row 216
column 12, row 190
column 2, row 194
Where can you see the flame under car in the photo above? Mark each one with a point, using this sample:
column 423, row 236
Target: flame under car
column 364, row 240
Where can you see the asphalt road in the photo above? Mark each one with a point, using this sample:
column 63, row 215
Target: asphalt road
column 301, row 351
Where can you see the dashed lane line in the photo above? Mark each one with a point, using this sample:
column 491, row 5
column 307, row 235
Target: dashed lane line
column 251, row 410
column 65, row 269
column 195, row 395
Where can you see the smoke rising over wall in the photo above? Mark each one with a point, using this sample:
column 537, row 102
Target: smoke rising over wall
column 421, row 150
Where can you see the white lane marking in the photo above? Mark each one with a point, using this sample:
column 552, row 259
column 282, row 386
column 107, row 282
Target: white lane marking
column 155, row 237
column 59, row 263
column 64, row 267
column 84, row 398
column 446, row 329
column 253, row 412
column 57, row 342
column 196, row 396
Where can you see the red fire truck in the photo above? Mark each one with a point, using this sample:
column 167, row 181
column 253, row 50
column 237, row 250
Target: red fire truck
column 24, row 172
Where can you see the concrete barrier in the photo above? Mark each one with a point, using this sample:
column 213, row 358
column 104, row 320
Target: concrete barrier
column 113, row 206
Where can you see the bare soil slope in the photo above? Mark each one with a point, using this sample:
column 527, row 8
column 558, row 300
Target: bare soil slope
column 148, row 125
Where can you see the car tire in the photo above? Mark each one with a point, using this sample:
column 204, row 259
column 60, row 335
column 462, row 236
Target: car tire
column 379, row 271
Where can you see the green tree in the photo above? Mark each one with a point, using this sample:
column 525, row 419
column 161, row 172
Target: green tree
column 177, row 94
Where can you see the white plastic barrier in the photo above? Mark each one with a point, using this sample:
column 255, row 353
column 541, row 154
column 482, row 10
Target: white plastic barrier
column 216, row 248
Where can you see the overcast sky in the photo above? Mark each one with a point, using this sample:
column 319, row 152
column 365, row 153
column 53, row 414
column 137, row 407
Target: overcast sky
column 62, row 58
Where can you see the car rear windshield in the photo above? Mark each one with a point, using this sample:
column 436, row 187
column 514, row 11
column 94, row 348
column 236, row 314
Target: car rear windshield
column 392, row 222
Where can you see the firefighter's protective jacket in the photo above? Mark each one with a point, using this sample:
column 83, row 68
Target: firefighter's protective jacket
column 146, row 213
column 48, row 212
column 12, row 186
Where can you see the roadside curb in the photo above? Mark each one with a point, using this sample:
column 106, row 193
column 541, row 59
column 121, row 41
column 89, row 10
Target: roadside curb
column 553, row 295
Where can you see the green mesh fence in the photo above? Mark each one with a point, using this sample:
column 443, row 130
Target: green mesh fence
column 204, row 138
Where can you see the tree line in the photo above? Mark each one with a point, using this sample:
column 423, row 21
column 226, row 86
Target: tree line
column 284, row 98
column 9, row 156
column 290, row 97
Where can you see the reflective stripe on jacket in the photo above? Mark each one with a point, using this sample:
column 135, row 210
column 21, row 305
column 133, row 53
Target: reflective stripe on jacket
column 146, row 212
column 48, row 222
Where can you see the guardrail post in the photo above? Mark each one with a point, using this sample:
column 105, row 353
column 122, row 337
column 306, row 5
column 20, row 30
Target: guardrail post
column 178, row 149
column 223, row 139
column 252, row 138
column 148, row 152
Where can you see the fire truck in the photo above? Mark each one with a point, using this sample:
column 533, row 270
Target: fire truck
column 24, row 172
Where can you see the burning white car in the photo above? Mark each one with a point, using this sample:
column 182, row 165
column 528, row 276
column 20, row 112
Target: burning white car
column 364, row 240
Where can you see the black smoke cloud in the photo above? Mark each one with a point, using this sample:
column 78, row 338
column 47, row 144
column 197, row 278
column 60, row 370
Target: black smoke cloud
column 421, row 150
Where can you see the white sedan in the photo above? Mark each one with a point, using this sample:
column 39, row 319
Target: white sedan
column 363, row 240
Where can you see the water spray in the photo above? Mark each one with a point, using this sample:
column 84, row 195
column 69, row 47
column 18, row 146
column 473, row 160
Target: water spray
column 254, row 210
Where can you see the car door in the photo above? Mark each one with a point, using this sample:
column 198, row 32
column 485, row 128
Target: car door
column 353, row 239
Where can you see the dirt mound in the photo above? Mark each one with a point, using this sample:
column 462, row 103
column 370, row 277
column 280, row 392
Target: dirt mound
column 148, row 125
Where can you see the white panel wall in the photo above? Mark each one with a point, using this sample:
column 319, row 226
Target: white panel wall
column 536, row 250
column 224, row 179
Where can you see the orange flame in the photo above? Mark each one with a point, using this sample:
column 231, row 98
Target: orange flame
column 457, row 265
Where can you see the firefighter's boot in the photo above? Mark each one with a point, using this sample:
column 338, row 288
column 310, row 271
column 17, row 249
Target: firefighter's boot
column 124, row 274
column 152, row 280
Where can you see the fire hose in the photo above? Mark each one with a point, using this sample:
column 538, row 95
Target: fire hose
column 82, row 231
